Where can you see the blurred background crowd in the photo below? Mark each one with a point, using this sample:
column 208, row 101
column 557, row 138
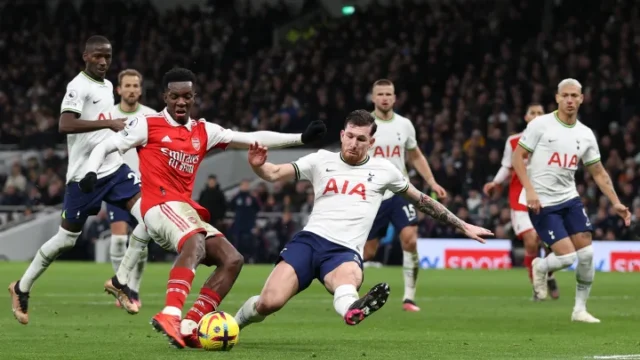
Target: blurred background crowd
column 464, row 73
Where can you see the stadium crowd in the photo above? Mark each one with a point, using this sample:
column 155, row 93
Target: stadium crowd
column 464, row 73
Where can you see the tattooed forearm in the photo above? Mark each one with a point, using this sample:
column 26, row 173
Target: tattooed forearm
column 433, row 208
column 603, row 180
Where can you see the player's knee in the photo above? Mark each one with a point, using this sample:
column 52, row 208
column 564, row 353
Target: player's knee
column 66, row 239
column 585, row 255
column 270, row 301
column 234, row 262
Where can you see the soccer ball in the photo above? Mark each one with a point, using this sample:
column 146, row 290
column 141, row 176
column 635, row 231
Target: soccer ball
column 218, row 331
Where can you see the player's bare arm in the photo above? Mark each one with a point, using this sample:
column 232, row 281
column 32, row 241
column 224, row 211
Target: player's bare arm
column 519, row 154
column 70, row 123
column 420, row 163
column 439, row 212
column 243, row 140
column 603, row 180
column 266, row 170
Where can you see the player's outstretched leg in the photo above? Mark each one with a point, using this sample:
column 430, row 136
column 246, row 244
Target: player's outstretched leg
column 118, row 240
column 135, row 279
column 552, row 284
column 343, row 279
column 563, row 256
column 20, row 290
column 282, row 284
column 410, row 266
column 228, row 262
column 190, row 254
column 531, row 247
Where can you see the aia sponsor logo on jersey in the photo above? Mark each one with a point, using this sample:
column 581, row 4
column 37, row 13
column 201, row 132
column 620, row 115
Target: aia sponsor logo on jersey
column 625, row 261
column 386, row 151
column 477, row 259
column 345, row 188
column 567, row 161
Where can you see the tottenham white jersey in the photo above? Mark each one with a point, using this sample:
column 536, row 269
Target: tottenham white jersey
column 393, row 138
column 131, row 157
column 347, row 197
column 92, row 100
column 556, row 149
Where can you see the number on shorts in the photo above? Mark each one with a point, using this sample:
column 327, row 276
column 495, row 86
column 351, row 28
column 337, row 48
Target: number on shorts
column 584, row 211
column 410, row 211
column 136, row 179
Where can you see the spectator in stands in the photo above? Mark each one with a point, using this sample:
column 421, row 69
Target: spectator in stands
column 243, row 230
column 213, row 199
column 16, row 179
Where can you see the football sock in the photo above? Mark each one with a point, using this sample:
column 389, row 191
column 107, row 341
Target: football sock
column 178, row 288
column 528, row 259
column 548, row 251
column 47, row 253
column 137, row 245
column 207, row 301
column 136, row 278
column 117, row 248
column 554, row 262
column 248, row 313
column 344, row 297
column 410, row 267
column 585, row 272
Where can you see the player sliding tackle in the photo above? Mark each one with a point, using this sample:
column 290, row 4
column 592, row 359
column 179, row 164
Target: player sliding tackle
column 555, row 143
column 349, row 187
column 171, row 146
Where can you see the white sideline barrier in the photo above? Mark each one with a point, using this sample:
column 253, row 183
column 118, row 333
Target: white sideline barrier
column 619, row 256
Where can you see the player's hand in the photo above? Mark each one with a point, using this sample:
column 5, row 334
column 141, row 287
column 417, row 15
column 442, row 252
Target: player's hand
column 623, row 212
column 117, row 124
column 257, row 154
column 533, row 203
column 476, row 232
column 488, row 187
column 315, row 131
column 88, row 183
column 440, row 191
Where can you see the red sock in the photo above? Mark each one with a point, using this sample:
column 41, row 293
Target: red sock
column 528, row 259
column 178, row 287
column 207, row 302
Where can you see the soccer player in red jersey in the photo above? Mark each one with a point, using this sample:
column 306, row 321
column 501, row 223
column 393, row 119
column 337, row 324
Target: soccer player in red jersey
column 171, row 146
column 520, row 221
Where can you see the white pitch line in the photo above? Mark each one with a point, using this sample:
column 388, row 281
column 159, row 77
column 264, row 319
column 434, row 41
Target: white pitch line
column 619, row 357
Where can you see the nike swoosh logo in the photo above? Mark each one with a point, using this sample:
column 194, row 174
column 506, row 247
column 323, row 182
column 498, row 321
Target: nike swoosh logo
column 329, row 170
column 552, row 140
column 97, row 101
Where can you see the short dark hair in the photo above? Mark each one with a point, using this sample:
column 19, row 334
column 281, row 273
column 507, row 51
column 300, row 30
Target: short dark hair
column 382, row 82
column 96, row 40
column 177, row 75
column 534, row 104
column 361, row 118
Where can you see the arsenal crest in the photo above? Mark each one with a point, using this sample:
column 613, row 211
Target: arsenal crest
column 196, row 143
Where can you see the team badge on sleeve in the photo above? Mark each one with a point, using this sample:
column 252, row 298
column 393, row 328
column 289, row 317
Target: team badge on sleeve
column 71, row 98
column 131, row 123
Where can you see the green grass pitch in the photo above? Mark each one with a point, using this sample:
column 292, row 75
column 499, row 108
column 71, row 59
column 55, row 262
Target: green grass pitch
column 465, row 315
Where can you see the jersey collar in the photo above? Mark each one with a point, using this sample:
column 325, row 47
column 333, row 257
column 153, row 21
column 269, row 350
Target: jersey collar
column 172, row 122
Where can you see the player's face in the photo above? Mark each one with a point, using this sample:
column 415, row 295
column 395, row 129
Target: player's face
column 179, row 98
column 356, row 142
column 97, row 59
column 384, row 97
column 533, row 112
column 569, row 98
column 130, row 89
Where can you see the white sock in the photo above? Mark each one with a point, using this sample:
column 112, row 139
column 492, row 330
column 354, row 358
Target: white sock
column 117, row 247
column 410, row 267
column 136, row 278
column 585, row 272
column 248, row 313
column 187, row 326
column 172, row 310
column 555, row 263
column 47, row 253
column 344, row 297
column 137, row 244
